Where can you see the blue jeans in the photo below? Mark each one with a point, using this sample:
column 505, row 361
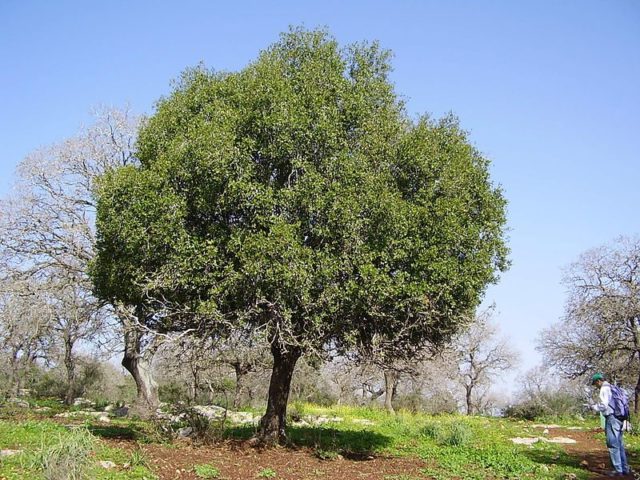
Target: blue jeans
column 615, row 444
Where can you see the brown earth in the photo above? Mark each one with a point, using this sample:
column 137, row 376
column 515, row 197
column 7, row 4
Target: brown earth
column 237, row 460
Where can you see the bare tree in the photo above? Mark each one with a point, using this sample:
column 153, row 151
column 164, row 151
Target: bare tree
column 601, row 325
column 49, row 224
column 25, row 325
column 481, row 356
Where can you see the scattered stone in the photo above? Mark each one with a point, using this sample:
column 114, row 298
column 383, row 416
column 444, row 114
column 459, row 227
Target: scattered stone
column 185, row 432
column 584, row 464
column 241, row 417
column 109, row 408
column 83, row 403
column 210, row 411
column 570, row 476
column 316, row 420
column 545, row 426
column 104, row 419
column 525, row 441
column 24, row 392
column 18, row 402
column 363, row 421
column 121, row 412
column 545, row 431
column 42, row 409
column 301, row 423
column 532, row 440
column 84, row 413
column 564, row 440
column 574, row 428
column 107, row 464
column 9, row 453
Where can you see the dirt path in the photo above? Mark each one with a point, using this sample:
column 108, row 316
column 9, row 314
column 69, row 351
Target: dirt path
column 591, row 451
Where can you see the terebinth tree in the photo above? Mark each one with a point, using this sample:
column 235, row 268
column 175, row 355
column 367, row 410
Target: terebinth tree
column 296, row 196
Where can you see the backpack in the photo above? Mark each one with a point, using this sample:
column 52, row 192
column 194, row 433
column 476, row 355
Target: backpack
column 619, row 403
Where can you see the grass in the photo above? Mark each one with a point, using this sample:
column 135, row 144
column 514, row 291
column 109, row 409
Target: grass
column 54, row 452
column 206, row 471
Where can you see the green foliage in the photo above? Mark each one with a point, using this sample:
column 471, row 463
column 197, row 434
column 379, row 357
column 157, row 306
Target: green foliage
column 206, row 471
column 298, row 192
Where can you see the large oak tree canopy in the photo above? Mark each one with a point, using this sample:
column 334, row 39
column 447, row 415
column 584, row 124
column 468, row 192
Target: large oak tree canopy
column 297, row 196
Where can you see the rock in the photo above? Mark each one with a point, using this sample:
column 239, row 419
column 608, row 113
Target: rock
column 104, row 419
column 301, row 423
column 210, row 411
column 121, row 412
column 545, row 431
column 569, row 476
column 24, row 392
column 107, row 464
column 584, row 464
column 545, row 426
column 83, row 403
column 525, row 441
column 84, row 413
column 185, row 432
column 18, row 402
column 564, row 440
column 42, row 409
column 9, row 453
column 363, row 421
column 241, row 417
column 109, row 408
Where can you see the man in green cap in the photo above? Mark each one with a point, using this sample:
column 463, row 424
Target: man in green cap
column 613, row 427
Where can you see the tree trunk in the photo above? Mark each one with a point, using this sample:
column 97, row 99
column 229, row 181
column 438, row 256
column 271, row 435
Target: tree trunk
column 636, row 395
column 138, row 364
column 469, row 399
column 70, row 366
column 390, row 378
column 241, row 372
column 273, row 424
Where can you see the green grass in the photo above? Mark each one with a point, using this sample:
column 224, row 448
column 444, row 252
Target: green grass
column 206, row 471
column 54, row 452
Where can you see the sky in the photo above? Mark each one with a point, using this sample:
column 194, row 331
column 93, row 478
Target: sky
column 549, row 91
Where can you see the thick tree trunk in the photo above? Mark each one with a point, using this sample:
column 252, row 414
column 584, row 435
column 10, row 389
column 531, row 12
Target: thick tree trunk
column 70, row 366
column 390, row 379
column 138, row 363
column 273, row 424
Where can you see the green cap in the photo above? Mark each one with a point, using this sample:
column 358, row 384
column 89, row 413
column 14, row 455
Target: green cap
column 596, row 377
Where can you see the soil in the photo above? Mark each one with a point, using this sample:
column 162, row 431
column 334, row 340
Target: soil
column 238, row 460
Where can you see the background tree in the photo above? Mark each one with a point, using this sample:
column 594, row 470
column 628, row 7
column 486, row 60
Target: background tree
column 47, row 229
column 297, row 196
column 481, row 356
column 25, row 331
column 600, row 329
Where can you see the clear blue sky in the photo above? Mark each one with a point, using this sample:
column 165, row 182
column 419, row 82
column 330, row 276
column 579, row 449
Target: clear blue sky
column 550, row 91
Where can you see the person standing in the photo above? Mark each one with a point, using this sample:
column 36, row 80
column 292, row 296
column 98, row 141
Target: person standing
column 613, row 427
